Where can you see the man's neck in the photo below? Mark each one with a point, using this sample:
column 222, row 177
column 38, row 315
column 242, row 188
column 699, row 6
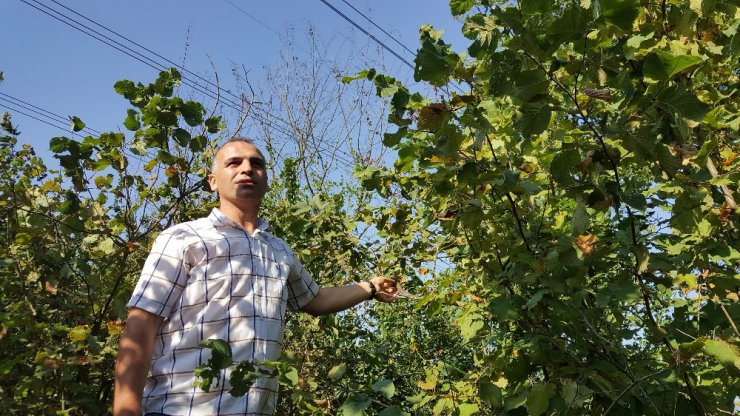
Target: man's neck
column 246, row 217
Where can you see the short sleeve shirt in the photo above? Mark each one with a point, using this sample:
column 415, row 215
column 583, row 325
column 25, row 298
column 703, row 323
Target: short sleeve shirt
column 210, row 278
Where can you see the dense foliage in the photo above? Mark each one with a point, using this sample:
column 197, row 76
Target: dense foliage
column 564, row 206
column 577, row 171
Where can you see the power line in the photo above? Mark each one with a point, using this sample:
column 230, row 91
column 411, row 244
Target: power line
column 233, row 105
column 152, row 63
column 378, row 27
column 48, row 118
column 126, row 50
column 7, row 105
column 386, row 47
column 370, row 35
column 263, row 24
column 41, row 111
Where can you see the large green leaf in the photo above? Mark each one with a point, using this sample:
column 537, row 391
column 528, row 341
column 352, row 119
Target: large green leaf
column 355, row 405
column 724, row 352
column 538, row 398
column 676, row 99
column 385, row 387
column 620, row 13
column 532, row 118
column 663, row 65
column 435, row 62
column 458, row 7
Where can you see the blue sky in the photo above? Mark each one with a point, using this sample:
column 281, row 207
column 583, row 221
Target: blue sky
column 53, row 66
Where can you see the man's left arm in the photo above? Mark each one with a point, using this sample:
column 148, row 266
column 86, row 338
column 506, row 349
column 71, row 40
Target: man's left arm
column 336, row 299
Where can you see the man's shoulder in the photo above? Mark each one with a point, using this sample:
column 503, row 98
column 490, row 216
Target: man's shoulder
column 190, row 229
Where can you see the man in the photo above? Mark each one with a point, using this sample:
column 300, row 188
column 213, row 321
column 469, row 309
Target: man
column 226, row 277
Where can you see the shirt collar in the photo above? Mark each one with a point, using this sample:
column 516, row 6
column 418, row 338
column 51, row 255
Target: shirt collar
column 220, row 219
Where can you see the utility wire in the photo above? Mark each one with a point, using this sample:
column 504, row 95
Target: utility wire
column 40, row 111
column 7, row 105
column 124, row 49
column 152, row 63
column 370, row 35
column 182, row 68
column 48, row 118
column 378, row 27
column 386, row 47
column 263, row 24
column 233, row 105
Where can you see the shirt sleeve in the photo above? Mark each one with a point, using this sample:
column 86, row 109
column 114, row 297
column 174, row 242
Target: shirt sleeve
column 163, row 276
column 301, row 286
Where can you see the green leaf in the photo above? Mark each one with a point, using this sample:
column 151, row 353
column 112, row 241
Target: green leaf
column 76, row 124
column 467, row 409
column 580, row 217
column 138, row 147
column 360, row 75
column 620, row 13
column 643, row 256
column 537, row 297
column 470, row 325
column 71, row 204
column 62, row 144
column 434, row 61
column 490, row 393
column 355, row 405
column 385, row 387
column 726, row 353
column 213, row 124
column 676, row 99
column 530, row 85
column 445, row 403
column 167, row 81
column 538, row 399
column 338, row 371
column 393, row 411
column 458, row 7
column 289, row 376
column 132, row 120
column 126, row 88
column 181, row 136
column 532, row 118
column 663, row 65
column 192, row 112
column 220, row 353
column 564, row 164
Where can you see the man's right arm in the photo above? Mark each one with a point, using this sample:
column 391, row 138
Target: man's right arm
column 134, row 358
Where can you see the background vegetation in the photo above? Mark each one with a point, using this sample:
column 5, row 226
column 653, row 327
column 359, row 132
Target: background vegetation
column 563, row 203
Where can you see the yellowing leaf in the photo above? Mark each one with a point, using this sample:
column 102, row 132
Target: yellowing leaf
column 726, row 353
column 430, row 382
column 586, row 243
column 78, row 333
column 338, row 371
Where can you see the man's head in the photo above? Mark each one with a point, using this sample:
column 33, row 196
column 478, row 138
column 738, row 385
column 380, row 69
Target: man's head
column 239, row 173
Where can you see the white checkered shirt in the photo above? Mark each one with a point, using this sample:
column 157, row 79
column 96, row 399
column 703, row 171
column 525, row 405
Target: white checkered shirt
column 209, row 278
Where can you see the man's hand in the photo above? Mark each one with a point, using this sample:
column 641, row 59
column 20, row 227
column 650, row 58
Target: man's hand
column 335, row 299
column 386, row 288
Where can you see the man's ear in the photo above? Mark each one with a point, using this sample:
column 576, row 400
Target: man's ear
column 212, row 182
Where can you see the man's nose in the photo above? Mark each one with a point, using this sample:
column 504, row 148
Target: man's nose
column 246, row 167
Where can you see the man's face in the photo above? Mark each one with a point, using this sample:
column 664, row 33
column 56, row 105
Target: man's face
column 239, row 173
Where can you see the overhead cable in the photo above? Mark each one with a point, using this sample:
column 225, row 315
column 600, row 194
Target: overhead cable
column 370, row 35
column 158, row 66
